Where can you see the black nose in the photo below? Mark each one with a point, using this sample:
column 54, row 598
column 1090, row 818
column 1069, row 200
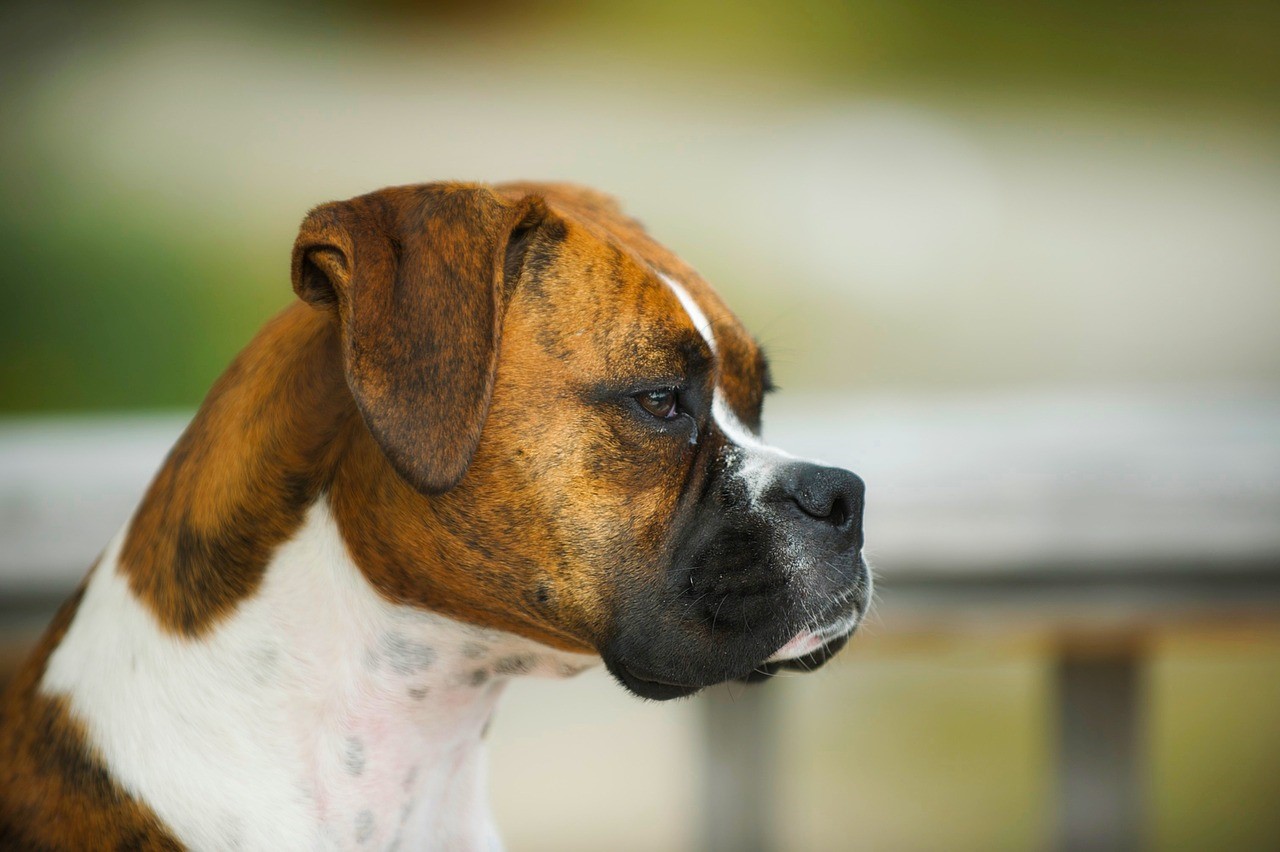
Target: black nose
column 829, row 495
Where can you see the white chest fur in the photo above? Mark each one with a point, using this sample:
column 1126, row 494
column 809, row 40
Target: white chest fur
column 319, row 716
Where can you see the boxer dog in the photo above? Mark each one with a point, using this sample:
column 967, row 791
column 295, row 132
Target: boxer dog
column 502, row 432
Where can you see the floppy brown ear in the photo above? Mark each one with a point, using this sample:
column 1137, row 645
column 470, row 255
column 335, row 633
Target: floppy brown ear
column 419, row 278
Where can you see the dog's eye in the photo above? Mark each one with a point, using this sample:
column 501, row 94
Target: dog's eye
column 660, row 403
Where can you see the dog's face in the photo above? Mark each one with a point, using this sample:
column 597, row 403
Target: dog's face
column 609, row 490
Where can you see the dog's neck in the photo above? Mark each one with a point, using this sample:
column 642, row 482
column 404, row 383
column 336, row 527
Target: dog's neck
column 309, row 711
column 318, row 710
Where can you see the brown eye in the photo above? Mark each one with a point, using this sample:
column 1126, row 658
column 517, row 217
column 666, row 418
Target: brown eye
column 659, row 403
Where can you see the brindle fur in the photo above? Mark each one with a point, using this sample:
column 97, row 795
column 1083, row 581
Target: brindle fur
column 54, row 791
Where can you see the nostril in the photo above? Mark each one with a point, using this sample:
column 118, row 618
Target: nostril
column 839, row 514
column 832, row 509
column 831, row 495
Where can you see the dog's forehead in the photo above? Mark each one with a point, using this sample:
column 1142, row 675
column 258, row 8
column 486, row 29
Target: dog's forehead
column 632, row 276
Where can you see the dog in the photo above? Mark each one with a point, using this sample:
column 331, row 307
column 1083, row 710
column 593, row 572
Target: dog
column 502, row 432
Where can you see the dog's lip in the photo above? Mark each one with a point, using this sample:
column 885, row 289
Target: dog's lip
column 804, row 663
column 804, row 642
column 649, row 677
column 651, row 686
column 810, row 639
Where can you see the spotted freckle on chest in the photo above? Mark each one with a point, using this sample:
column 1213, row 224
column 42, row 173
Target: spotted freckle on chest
column 417, row 720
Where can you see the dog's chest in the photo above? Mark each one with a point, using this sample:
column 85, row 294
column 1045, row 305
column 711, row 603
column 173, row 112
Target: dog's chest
column 317, row 716
column 401, row 764
column 404, row 768
column 388, row 785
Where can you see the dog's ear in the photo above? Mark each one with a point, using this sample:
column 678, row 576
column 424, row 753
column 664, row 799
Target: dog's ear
column 419, row 278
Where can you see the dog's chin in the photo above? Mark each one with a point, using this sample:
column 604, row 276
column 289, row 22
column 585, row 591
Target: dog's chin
column 649, row 685
column 657, row 687
column 679, row 675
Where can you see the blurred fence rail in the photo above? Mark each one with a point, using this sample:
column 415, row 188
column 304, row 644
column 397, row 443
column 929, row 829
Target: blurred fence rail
column 1088, row 517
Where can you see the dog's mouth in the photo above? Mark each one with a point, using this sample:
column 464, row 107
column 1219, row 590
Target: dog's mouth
column 812, row 646
column 805, row 663
column 662, row 671
column 806, row 651
column 811, row 640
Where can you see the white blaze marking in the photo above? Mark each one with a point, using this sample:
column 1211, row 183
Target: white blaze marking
column 700, row 321
column 759, row 460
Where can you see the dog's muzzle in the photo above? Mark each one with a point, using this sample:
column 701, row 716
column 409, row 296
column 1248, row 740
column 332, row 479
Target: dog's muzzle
column 768, row 575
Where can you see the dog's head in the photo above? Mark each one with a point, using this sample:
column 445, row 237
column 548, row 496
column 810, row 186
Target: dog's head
column 572, row 417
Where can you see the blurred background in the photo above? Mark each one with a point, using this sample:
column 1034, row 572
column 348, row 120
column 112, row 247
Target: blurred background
column 1016, row 263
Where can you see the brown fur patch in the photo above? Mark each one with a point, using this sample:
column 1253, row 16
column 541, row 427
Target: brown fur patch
column 55, row 793
column 238, row 481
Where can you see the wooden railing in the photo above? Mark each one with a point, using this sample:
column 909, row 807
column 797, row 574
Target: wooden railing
column 1088, row 519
